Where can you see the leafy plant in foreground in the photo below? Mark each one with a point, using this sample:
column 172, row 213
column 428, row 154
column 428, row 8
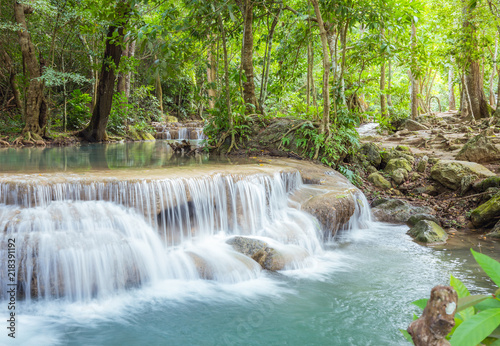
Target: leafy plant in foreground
column 477, row 319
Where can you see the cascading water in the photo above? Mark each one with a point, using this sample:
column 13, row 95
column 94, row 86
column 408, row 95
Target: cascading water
column 78, row 240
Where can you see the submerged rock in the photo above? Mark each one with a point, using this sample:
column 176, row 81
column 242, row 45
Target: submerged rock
column 426, row 231
column 450, row 173
column 268, row 257
column 479, row 149
column 379, row 181
column 487, row 213
column 396, row 210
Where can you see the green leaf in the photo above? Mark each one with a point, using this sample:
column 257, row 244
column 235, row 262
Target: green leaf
column 476, row 328
column 467, row 302
column 489, row 265
column 458, row 285
column 406, row 335
column 421, row 303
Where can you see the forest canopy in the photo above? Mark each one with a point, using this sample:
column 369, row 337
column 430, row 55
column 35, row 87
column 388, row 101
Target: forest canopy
column 101, row 68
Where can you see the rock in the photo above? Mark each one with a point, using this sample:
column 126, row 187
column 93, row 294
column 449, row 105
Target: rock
column 269, row 258
column 398, row 211
column 495, row 232
column 414, row 219
column 485, row 184
column 372, row 153
column 412, row 125
column 390, row 154
column 426, row 231
column 486, row 213
column 427, row 189
column 403, row 133
column 395, row 164
column 422, row 164
column 479, row 149
column 399, row 176
column 490, row 193
column 379, row 181
column 331, row 209
column 403, row 148
column 171, row 119
column 466, row 183
column 414, row 176
column 450, row 173
column 370, row 169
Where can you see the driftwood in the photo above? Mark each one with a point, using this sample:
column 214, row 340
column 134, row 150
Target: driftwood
column 437, row 320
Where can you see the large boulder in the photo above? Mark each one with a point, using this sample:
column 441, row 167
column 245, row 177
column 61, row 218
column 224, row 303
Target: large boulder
column 412, row 125
column 487, row 213
column 379, row 181
column 450, row 173
column 396, row 210
column 390, row 154
column 332, row 210
column 479, row 149
column 426, row 231
column 372, row 153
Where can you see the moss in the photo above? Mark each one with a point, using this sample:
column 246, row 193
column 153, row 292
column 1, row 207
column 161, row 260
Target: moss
column 487, row 212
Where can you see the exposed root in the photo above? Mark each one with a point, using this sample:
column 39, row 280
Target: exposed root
column 4, row 143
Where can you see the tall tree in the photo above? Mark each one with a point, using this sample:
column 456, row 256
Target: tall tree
column 96, row 129
column 247, row 8
column 35, row 110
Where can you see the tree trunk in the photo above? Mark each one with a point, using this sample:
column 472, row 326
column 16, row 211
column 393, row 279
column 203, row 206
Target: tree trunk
column 326, row 68
column 211, row 77
column 249, row 97
column 325, row 124
column 309, row 75
column 478, row 104
column 159, row 91
column 128, row 78
column 35, row 110
column 414, row 83
column 96, row 130
column 492, row 76
column 451, row 88
column 7, row 60
column 389, row 86
column 267, row 61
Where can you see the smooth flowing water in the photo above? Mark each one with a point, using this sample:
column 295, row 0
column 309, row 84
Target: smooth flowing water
column 146, row 262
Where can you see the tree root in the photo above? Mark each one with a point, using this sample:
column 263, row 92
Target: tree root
column 4, row 143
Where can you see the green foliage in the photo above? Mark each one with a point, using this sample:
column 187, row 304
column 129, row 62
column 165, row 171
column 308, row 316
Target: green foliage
column 141, row 108
column 78, row 110
column 477, row 317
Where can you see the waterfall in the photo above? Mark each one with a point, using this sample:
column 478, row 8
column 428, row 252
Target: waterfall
column 183, row 133
column 81, row 239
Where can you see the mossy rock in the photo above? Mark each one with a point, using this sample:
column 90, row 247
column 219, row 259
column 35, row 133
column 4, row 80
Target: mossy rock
column 171, row 119
column 414, row 219
column 479, row 149
column 379, row 181
column 487, row 183
column 428, row 232
column 487, row 213
column 450, row 173
column 399, row 163
column 397, row 211
column 399, row 176
column 372, row 153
